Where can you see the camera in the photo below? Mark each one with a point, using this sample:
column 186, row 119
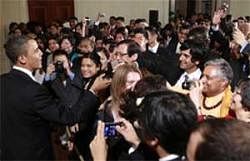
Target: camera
column 59, row 69
column 110, row 129
column 187, row 85
column 109, row 72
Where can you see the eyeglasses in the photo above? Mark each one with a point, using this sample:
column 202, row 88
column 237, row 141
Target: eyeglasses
column 120, row 54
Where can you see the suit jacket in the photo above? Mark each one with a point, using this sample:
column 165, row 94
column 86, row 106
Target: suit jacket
column 171, row 48
column 246, row 49
column 27, row 108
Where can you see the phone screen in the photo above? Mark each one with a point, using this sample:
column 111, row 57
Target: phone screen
column 110, row 130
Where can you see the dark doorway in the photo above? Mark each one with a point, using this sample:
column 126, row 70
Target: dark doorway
column 46, row 11
column 190, row 8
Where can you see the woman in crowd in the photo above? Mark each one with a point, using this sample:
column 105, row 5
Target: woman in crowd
column 67, row 44
column 89, row 71
column 124, row 79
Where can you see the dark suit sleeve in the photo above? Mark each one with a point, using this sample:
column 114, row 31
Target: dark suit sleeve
column 45, row 106
column 246, row 49
column 143, row 152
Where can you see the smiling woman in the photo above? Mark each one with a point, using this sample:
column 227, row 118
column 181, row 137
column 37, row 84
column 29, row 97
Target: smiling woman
column 90, row 65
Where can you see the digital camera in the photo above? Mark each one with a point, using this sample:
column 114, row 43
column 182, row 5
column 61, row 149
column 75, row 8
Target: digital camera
column 110, row 129
column 59, row 69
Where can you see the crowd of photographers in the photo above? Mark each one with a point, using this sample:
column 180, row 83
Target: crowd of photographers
column 177, row 92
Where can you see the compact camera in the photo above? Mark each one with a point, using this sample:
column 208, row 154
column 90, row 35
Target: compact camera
column 187, row 85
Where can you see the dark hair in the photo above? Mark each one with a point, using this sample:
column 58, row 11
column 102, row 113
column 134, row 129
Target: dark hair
column 185, row 26
column 153, row 30
column 223, row 140
column 121, row 30
column 16, row 47
column 150, row 84
column 141, row 31
column 71, row 40
column 94, row 57
column 169, row 117
column 244, row 86
column 104, row 50
column 199, row 35
column 78, row 24
column 73, row 18
column 143, row 87
column 133, row 48
column 11, row 26
column 120, row 18
column 241, row 18
column 139, row 20
column 59, row 52
column 197, row 50
column 52, row 38
column 103, row 25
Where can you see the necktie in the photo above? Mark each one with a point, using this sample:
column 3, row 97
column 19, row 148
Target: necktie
column 186, row 83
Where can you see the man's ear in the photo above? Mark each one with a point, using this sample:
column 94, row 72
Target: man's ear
column 224, row 83
column 134, row 57
column 197, row 62
column 22, row 59
column 153, row 142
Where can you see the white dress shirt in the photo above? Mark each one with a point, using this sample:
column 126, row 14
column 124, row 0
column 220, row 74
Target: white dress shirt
column 169, row 157
column 26, row 71
column 154, row 48
column 191, row 77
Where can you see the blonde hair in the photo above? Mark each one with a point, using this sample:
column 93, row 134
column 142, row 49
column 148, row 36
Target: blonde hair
column 119, row 82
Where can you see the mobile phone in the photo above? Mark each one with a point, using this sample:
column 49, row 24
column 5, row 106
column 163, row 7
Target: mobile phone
column 110, row 129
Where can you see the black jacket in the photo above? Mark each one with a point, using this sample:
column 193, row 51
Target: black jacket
column 26, row 110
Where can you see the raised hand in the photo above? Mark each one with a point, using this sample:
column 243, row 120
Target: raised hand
column 128, row 132
column 100, row 84
column 98, row 146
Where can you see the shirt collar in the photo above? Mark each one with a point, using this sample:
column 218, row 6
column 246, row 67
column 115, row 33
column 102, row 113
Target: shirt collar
column 169, row 157
column 26, row 71
column 194, row 74
column 154, row 48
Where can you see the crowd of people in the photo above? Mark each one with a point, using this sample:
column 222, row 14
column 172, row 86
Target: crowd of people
column 94, row 90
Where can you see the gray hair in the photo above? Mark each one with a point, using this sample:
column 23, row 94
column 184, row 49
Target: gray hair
column 15, row 47
column 224, row 71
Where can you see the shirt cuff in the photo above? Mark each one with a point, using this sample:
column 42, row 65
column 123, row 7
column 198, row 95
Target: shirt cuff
column 131, row 150
column 71, row 75
column 215, row 28
column 243, row 45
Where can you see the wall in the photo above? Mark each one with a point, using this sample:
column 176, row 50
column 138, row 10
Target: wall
column 127, row 8
column 17, row 10
column 181, row 7
column 11, row 11
column 240, row 8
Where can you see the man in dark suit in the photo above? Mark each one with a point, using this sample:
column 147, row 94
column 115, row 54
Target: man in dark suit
column 174, row 45
column 153, row 44
column 164, row 124
column 27, row 107
column 128, row 51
